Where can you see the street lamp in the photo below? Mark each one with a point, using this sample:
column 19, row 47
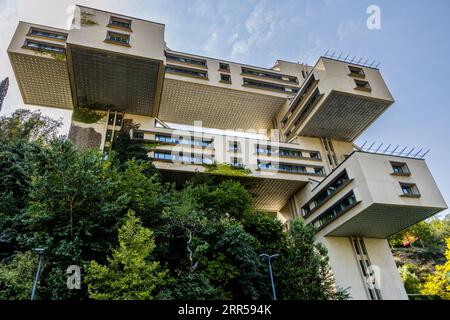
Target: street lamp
column 269, row 258
column 40, row 253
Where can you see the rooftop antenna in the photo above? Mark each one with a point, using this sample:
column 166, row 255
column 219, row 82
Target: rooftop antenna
column 410, row 152
column 402, row 151
column 415, row 156
column 425, row 153
column 379, row 147
column 395, row 149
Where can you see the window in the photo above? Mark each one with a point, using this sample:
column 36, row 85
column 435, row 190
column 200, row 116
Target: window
column 224, row 67
column 338, row 209
column 118, row 38
column 187, row 72
column 236, row 162
column 235, row 146
column 370, row 281
column 183, row 140
column 115, row 22
column 362, row 85
column 187, row 60
column 138, row 135
column 314, row 155
column 164, row 155
column 42, row 46
column 290, row 153
column 263, row 85
column 269, row 75
column 400, row 169
column 47, row 34
column 356, row 72
column 315, row 97
column 409, row 190
column 319, row 171
column 225, row 78
column 333, row 187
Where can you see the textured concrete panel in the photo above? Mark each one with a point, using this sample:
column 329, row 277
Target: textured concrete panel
column 43, row 81
column 85, row 137
column 185, row 102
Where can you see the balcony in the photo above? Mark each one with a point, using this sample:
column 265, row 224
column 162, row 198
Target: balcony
column 365, row 197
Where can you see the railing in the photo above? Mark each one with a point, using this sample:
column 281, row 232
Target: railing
column 414, row 152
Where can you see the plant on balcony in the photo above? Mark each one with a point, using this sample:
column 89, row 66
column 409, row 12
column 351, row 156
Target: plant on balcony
column 227, row 169
column 86, row 115
column 86, row 19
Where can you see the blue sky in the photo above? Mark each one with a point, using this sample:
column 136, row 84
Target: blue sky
column 413, row 46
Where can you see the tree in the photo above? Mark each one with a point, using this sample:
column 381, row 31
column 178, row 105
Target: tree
column 439, row 282
column 26, row 125
column 410, row 279
column 73, row 210
column 129, row 273
column 17, row 276
column 304, row 273
column 3, row 90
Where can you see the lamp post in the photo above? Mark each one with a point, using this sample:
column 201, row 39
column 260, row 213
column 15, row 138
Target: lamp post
column 40, row 253
column 269, row 258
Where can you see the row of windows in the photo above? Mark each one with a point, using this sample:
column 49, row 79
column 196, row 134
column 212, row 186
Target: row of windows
column 267, row 150
column 325, row 194
column 186, row 71
column 47, row 34
column 120, row 22
column 42, row 46
column 306, row 89
column 291, row 168
column 184, row 158
column 306, row 109
column 336, row 210
column 183, row 59
column 266, row 85
column 268, row 75
column 182, row 140
column 116, row 37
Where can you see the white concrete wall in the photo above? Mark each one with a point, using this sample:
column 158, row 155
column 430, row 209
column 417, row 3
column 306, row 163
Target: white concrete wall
column 347, row 274
column 380, row 255
column 146, row 38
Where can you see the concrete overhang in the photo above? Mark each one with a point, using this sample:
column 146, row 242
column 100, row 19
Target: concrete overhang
column 42, row 76
column 104, row 80
column 382, row 221
column 269, row 194
column 186, row 101
column 342, row 116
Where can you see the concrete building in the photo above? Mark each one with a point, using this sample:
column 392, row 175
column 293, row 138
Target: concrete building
column 285, row 132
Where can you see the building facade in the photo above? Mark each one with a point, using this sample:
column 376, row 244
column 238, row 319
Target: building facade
column 285, row 132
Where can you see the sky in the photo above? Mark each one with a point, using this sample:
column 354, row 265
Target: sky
column 413, row 46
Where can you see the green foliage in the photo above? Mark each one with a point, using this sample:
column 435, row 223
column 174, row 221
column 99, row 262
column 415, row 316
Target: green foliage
column 86, row 115
column 17, row 276
column 306, row 263
column 227, row 170
column 411, row 281
column 205, row 234
column 86, row 19
column 439, row 282
column 26, row 125
column 128, row 275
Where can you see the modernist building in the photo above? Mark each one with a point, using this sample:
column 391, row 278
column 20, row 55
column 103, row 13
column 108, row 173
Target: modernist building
column 287, row 130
